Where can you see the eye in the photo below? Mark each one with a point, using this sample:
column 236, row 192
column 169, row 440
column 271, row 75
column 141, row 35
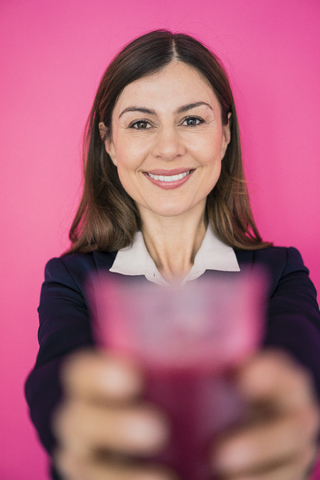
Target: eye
column 192, row 121
column 140, row 125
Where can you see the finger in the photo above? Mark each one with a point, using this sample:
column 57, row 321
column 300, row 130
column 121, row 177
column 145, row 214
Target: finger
column 99, row 376
column 298, row 469
column 257, row 446
column 84, row 429
column 74, row 467
column 272, row 376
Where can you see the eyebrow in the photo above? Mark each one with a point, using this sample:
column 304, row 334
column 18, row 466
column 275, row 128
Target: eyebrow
column 182, row 109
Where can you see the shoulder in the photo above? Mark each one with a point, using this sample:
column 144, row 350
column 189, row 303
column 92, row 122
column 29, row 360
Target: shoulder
column 78, row 264
column 74, row 268
column 277, row 259
column 283, row 266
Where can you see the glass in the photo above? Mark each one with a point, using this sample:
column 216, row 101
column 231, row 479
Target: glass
column 188, row 339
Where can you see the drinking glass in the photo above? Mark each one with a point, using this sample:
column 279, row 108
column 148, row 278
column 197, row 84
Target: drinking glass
column 188, row 339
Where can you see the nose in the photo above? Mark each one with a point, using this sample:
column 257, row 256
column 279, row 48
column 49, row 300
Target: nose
column 168, row 144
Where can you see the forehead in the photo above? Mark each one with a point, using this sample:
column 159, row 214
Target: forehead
column 175, row 85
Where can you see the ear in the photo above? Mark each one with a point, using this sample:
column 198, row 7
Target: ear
column 226, row 136
column 103, row 131
column 108, row 143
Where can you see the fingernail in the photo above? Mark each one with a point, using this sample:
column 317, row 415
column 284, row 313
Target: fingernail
column 231, row 459
column 119, row 381
column 148, row 431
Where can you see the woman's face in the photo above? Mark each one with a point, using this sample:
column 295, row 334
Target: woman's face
column 168, row 141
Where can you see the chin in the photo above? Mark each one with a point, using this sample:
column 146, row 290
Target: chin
column 170, row 211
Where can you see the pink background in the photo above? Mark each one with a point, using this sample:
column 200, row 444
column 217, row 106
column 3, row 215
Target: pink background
column 52, row 55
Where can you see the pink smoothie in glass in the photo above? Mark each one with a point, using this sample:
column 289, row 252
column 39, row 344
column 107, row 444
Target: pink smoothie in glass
column 187, row 340
column 199, row 405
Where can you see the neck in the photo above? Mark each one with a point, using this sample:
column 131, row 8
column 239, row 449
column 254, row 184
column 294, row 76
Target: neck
column 173, row 242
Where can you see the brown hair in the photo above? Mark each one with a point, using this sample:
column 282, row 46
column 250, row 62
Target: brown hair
column 107, row 217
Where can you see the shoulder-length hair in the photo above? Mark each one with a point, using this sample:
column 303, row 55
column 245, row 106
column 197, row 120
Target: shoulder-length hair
column 107, row 217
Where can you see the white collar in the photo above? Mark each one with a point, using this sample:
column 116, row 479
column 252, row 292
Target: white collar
column 212, row 255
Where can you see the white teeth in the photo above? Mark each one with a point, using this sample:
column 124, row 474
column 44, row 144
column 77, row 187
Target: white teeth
column 169, row 178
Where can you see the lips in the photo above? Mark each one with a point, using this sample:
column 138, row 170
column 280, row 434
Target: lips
column 174, row 171
column 168, row 179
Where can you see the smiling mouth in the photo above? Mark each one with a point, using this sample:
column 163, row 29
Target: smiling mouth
column 169, row 178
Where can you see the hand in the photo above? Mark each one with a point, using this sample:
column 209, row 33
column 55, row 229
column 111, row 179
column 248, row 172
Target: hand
column 101, row 422
column 279, row 439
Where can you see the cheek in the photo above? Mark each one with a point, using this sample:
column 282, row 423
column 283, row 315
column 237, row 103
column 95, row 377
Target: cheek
column 131, row 154
column 125, row 161
column 127, row 184
column 213, row 176
column 206, row 145
column 210, row 155
column 212, row 170
column 125, row 174
column 128, row 175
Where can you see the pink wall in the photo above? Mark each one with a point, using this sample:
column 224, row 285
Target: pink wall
column 52, row 54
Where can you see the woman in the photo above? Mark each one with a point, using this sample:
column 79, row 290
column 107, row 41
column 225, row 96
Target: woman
column 165, row 197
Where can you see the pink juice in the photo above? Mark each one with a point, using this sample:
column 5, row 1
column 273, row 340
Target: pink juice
column 187, row 339
column 199, row 405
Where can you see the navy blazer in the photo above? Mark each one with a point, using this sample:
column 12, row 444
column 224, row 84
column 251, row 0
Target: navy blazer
column 293, row 319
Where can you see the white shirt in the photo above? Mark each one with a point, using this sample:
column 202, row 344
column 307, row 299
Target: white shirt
column 212, row 255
